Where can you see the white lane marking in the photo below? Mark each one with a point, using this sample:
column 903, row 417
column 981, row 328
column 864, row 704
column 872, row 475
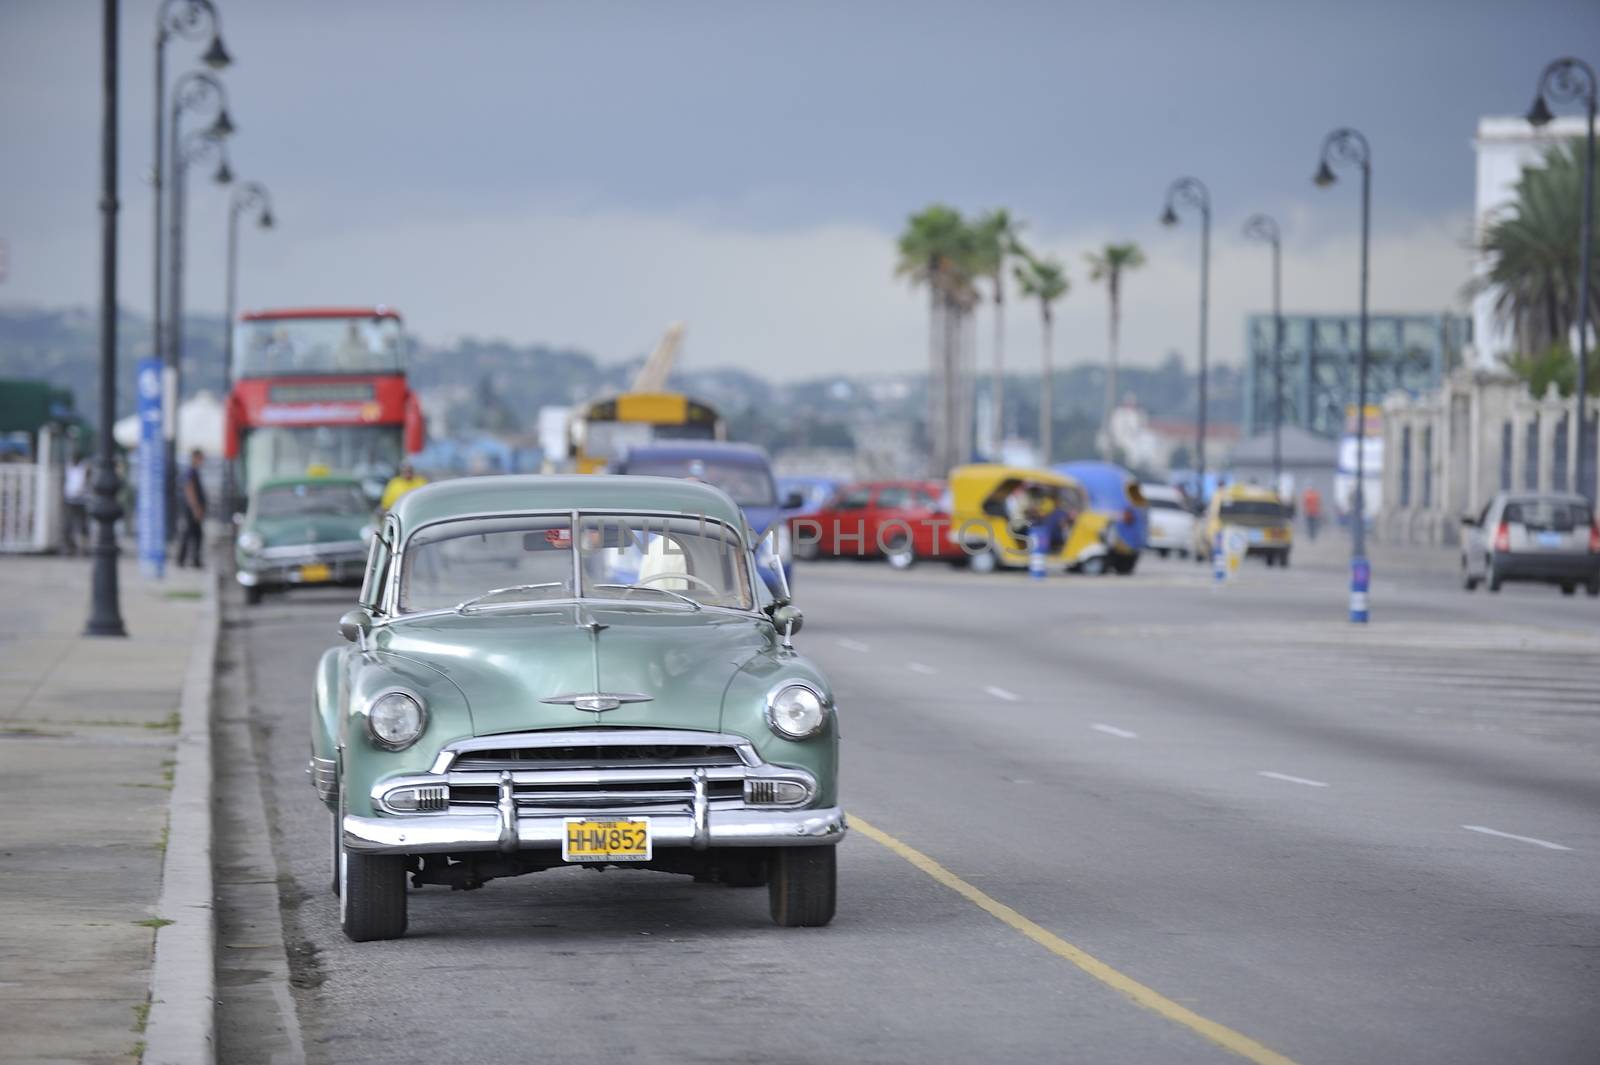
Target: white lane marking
column 1520, row 839
column 1270, row 775
column 1001, row 693
column 852, row 645
column 918, row 667
column 1112, row 730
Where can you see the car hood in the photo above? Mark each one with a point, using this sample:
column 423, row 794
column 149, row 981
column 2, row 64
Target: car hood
column 507, row 663
column 309, row 529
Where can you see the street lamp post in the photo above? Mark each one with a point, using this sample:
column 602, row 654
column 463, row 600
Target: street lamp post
column 105, row 609
column 1563, row 80
column 194, row 90
column 189, row 20
column 1347, row 147
column 1192, row 192
column 1263, row 228
column 250, row 196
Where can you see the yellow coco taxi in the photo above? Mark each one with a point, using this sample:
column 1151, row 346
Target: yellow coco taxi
column 1257, row 513
column 992, row 507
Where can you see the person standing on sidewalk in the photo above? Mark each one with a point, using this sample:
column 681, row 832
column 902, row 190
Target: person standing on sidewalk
column 191, row 537
column 75, row 494
column 1312, row 508
column 406, row 480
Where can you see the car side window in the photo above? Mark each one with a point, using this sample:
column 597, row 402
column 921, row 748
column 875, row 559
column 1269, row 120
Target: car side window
column 855, row 499
column 894, row 498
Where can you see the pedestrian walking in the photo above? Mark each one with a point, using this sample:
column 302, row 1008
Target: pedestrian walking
column 1312, row 509
column 192, row 515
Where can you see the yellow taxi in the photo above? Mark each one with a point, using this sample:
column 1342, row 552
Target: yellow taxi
column 1261, row 517
column 992, row 507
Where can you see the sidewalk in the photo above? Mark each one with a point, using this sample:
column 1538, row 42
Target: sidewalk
column 88, row 737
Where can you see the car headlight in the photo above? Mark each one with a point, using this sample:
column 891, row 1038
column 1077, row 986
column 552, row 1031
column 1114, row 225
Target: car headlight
column 795, row 711
column 395, row 720
column 250, row 542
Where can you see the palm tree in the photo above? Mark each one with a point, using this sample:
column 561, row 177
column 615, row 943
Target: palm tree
column 1533, row 254
column 1046, row 281
column 1108, row 265
column 939, row 249
column 998, row 238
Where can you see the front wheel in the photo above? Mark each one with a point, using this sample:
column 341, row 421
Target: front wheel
column 1592, row 589
column 372, row 895
column 253, row 595
column 1093, row 566
column 900, row 554
column 983, row 562
column 804, row 886
column 1569, row 588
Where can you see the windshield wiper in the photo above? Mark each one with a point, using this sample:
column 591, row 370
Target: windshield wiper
column 652, row 588
column 461, row 608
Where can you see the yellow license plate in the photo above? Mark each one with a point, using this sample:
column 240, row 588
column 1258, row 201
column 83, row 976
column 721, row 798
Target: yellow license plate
column 316, row 573
column 623, row 839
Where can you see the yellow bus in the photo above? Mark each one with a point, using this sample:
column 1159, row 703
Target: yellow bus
column 601, row 432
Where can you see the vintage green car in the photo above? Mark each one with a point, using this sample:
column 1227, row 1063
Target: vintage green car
column 303, row 530
column 551, row 671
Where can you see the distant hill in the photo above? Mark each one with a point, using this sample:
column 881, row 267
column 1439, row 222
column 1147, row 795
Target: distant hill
column 498, row 386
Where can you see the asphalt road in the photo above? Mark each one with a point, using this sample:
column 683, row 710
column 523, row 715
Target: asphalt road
column 1137, row 819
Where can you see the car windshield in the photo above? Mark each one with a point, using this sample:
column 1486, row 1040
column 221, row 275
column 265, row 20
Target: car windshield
column 750, row 486
column 648, row 559
column 1545, row 515
column 1252, row 511
column 306, row 500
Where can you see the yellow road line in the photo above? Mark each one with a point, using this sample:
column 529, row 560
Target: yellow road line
column 1147, row 997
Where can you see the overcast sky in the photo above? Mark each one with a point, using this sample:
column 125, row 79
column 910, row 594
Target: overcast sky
column 584, row 173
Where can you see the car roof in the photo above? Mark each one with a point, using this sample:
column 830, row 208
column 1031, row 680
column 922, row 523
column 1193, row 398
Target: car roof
column 291, row 482
column 509, row 493
column 741, row 454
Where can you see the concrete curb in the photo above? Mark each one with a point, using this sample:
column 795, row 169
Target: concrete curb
column 183, row 981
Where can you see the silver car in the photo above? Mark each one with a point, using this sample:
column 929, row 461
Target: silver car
column 1546, row 537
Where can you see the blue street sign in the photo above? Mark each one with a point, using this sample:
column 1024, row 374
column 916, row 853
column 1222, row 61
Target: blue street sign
column 152, row 471
column 1360, row 581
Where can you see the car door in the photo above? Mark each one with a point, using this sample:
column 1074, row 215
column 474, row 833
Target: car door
column 845, row 528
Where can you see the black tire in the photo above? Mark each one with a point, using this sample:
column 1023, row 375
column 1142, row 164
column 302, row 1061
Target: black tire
column 372, row 896
column 1123, row 565
column 1094, row 567
column 335, row 837
column 1493, row 577
column 1593, row 587
column 1569, row 588
column 983, row 562
column 804, row 886
column 1162, row 552
column 253, row 595
column 1283, row 559
column 900, row 554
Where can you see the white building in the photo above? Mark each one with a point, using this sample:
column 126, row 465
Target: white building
column 1505, row 146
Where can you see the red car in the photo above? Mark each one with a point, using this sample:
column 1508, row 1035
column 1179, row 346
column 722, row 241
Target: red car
column 898, row 520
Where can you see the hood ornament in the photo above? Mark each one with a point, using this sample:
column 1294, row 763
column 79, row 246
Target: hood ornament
column 597, row 702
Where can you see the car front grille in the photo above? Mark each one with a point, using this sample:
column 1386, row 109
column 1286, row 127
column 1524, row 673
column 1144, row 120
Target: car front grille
column 592, row 756
column 660, row 795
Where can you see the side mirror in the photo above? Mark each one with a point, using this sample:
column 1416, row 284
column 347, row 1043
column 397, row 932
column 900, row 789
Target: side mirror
column 794, row 501
column 788, row 619
column 355, row 625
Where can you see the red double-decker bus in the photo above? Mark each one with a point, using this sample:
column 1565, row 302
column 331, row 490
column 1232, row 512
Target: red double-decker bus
column 320, row 390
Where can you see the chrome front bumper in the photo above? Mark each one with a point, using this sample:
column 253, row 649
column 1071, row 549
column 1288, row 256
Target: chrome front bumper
column 462, row 833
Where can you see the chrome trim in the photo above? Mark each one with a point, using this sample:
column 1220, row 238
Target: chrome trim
column 466, row 833
column 506, row 810
column 324, row 774
column 702, row 833
column 317, row 552
column 422, row 707
column 598, row 702
column 609, row 737
column 827, row 709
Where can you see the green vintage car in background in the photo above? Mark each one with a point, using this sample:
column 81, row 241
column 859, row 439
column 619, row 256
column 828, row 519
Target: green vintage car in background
column 303, row 530
column 551, row 671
